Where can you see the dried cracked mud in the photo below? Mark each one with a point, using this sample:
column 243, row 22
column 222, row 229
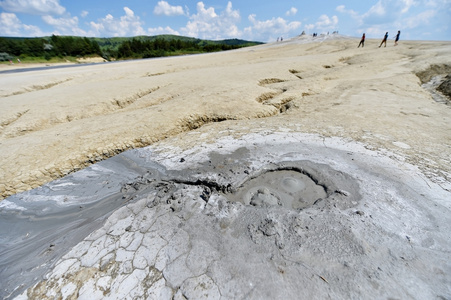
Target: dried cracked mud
column 268, row 216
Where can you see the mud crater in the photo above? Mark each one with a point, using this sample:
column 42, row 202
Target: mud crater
column 292, row 185
column 296, row 186
column 286, row 188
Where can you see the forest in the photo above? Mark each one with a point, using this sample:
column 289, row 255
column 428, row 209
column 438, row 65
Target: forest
column 70, row 47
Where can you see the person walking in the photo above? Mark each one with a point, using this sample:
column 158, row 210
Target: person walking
column 384, row 41
column 397, row 37
column 362, row 41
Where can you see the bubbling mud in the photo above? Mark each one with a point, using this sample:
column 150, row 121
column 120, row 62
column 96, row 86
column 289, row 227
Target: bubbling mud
column 286, row 188
column 295, row 185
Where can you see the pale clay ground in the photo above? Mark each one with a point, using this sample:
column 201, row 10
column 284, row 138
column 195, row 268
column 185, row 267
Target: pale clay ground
column 270, row 97
column 58, row 121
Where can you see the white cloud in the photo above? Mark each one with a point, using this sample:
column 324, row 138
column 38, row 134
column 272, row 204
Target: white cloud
column 292, row 11
column 84, row 14
column 446, row 4
column 377, row 10
column 271, row 29
column 64, row 26
column 161, row 30
column 10, row 25
column 342, row 9
column 164, row 8
column 387, row 11
column 127, row 25
column 393, row 15
column 420, row 19
column 407, row 5
column 207, row 24
column 34, row 7
column 309, row 26
column 326, row 23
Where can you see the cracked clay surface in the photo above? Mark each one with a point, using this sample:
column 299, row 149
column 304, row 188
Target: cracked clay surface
column 229, row 221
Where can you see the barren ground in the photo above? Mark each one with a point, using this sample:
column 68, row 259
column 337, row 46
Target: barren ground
column 216, row 206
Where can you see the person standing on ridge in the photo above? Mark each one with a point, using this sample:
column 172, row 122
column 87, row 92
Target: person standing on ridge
column 384, row 41
column 397, row 38
column 362, row 41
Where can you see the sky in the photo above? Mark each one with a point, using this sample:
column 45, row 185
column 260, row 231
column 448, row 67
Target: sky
column 262, row 20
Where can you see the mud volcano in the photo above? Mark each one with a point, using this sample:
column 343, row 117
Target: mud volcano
column 295, row 186
column 289, row 189
column 262, row 217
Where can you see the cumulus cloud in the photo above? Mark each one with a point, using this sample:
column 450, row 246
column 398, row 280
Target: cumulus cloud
column 271, row 29
column 207, row 24
column 33, row 7
column 127, row 25
column 398, row 14
column 84, row 14
column 327, row 23
column 342, row 9
column 10, row 25
column 65, row 25
column 164, row 8
column 161, row 30
column 387, row 11
column 323, row 24
column 292, row 11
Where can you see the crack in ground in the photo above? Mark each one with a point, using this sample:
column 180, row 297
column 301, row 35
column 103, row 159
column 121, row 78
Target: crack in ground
column 34, row 88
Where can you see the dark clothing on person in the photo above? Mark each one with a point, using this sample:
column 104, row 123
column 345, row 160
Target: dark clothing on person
column 362, row 41
column 397, row 38
column 384, row 41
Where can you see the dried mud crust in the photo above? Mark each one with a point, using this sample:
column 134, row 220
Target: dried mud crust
column 185, row 229
column 151, row 247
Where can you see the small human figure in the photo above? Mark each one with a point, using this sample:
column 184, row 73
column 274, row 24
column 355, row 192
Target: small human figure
column 397, row 37
column 277, row 39
column 362, row 41
column 384, row 41
column 281, row 38
column 18, row 60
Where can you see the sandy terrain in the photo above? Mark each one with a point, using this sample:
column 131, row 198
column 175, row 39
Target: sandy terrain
column 22, row 66
column 358, row 122
column 62, row 120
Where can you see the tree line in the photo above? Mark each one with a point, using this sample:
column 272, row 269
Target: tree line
column 159, row 47
column 55, row 46
column 143, row 47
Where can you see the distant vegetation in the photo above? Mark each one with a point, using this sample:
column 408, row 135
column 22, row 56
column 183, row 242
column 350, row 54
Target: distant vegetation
column 70, row 48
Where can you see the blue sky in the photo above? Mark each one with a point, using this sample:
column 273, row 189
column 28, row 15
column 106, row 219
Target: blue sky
column 262, row 20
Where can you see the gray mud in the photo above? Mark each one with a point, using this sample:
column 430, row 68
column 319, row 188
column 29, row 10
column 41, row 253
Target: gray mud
column 438, row 87
column 281, row 220
column 39, row 226
column 297, row 185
